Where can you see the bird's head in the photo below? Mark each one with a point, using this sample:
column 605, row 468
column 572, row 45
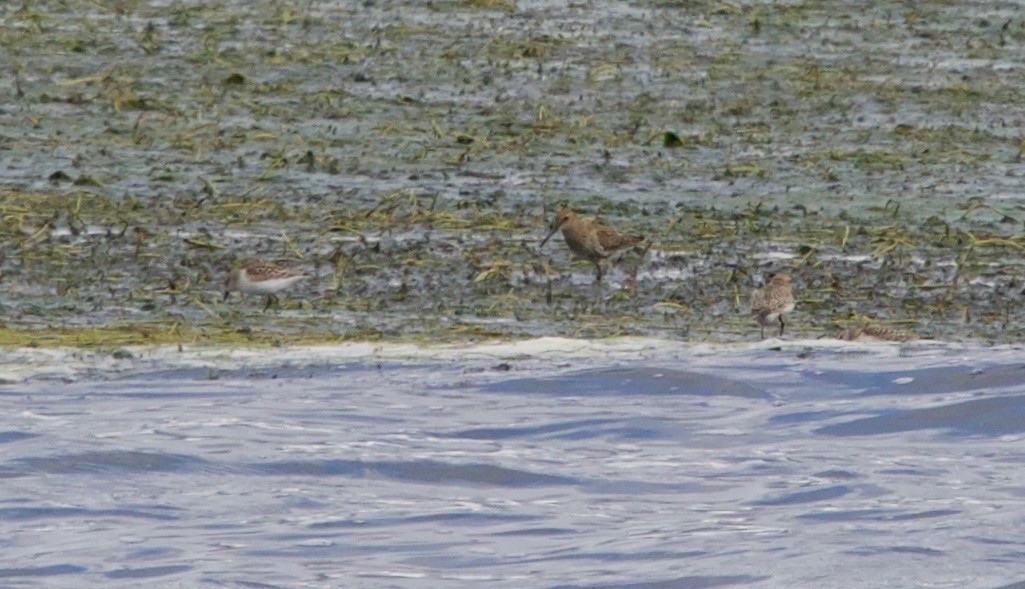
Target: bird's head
column 562, row 217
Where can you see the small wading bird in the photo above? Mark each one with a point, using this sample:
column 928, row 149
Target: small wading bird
column 588, row 240
column 874, row 331
column 771, row 302
column 263, row 278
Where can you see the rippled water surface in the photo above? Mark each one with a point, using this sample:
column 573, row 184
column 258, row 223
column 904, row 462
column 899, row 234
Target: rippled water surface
column 737, row 467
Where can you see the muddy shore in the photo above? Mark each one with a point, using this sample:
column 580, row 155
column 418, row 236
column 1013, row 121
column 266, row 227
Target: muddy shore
column 410, row 154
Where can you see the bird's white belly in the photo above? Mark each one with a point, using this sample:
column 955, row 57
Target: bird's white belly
column 266, row 286
column 773, row 316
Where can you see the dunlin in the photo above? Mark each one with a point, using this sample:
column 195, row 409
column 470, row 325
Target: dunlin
column 263, row 278
column 770, row 303
column 589, row 240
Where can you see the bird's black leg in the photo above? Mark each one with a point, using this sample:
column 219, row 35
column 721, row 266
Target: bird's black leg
column 270, row 299
column 763, row 332
column 598, row 274
column 782, row 325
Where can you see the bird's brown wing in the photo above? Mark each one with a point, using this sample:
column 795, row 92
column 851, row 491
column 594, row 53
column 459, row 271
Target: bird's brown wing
column 889, row 333
column 610, row 240
column 778, row 299
column 269, row 271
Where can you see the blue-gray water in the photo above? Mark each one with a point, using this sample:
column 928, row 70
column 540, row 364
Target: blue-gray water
column 750, row 468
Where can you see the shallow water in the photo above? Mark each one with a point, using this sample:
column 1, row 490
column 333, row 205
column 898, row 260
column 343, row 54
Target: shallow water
column 695, row 467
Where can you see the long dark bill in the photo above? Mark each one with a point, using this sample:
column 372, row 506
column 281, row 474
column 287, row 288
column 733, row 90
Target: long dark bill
column 549, row 236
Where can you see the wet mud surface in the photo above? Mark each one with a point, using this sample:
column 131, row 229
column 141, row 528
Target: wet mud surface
column 410, row 154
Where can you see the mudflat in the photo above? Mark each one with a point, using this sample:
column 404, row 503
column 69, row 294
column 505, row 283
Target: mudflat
column 410, row 155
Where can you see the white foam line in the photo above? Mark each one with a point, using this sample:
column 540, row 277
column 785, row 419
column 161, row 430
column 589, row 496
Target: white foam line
column 18, row 365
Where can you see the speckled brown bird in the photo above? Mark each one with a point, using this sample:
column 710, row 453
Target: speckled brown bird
column 874, row 331
column 261, row 278
column 589, row 240
column 771, row 302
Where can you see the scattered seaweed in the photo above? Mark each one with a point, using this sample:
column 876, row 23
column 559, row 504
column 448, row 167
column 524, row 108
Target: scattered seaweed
column 409, row 161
